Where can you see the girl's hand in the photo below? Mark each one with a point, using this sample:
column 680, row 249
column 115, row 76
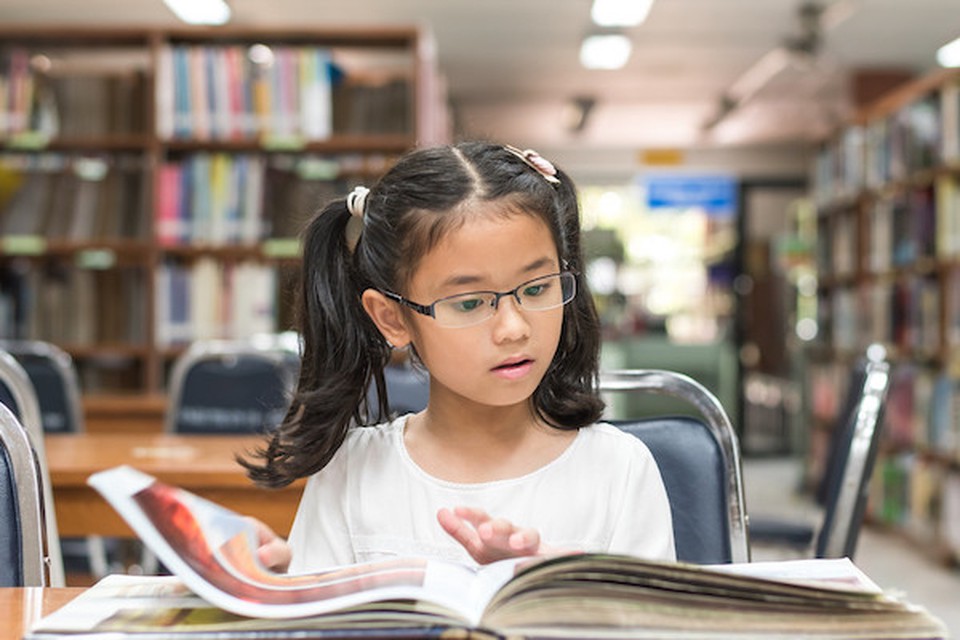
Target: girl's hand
column 489, row 539
column 273, row 551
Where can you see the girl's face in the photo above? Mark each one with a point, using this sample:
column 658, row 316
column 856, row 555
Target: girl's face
column 501, row 360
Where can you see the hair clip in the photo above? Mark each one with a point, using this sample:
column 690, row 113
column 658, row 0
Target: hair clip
column 357, row 201
column 537, row 162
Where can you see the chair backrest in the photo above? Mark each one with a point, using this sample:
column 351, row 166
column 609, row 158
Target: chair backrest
column 699, row 461
column 852, row 459
column 229, row 386
column 23, row 545
column 55, row 381
column 17, row 394
column 408, row 390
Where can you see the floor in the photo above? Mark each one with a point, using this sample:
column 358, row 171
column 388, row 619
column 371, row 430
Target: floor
column 770, row 487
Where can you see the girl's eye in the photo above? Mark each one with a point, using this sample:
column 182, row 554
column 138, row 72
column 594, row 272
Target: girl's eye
column 534, row 290
column 467, row 304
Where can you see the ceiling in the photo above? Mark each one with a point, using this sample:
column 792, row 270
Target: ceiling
column 511, row 66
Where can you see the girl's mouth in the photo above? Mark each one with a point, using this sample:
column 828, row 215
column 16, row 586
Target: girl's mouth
column 514, row 369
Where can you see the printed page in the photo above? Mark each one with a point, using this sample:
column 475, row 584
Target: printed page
column 213, row 551
column 121, row 606
column 829, row 573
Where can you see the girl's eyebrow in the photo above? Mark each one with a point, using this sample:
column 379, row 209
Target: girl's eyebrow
column 471, row 279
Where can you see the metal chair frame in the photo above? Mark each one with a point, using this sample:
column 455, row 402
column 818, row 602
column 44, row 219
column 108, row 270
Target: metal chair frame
column 33, row 542
column 845, row 484
column 715, row 418
column 841, row 527
column 27, row 415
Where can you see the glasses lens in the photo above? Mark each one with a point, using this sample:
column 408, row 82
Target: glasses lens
column 464, row 310
column 540, row 294
column 548, row 292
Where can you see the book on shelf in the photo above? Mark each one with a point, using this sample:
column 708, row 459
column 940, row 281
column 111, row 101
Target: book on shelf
column 230, row 92
column 207, row 299
column 79, row 197
column 219, row 589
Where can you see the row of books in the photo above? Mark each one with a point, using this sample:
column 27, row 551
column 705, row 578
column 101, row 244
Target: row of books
column 921, row 135
column 66, row 305
column 206, row 299
column 922, row 409
column 916, row 224
column 211, row 198
column 75, row 198
column 281, row 93
column 100, row 100
column 904, row 313
column 229, row 92
column 903, row 229
column 226, row 199
column 919, row 497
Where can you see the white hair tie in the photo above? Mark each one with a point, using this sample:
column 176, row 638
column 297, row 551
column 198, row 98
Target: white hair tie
column 357, row 201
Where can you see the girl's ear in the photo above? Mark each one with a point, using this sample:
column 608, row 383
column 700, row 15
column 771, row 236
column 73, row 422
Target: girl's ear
column 388, row 317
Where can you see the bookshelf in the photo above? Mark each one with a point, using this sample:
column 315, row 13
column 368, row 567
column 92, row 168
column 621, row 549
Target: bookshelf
column 153, row 181
column 887, row 192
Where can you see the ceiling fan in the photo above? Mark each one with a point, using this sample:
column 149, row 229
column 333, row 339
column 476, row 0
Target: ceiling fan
column 799, row 49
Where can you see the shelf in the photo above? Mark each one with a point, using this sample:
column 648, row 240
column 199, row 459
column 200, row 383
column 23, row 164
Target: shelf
column 888, row 190
column 144, row 170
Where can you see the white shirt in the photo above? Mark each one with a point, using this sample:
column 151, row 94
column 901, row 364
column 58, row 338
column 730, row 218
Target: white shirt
column 372, row 501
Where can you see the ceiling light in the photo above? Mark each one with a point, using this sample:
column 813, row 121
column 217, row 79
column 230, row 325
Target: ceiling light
column 620, row 13
column 200, row 11
column 949, row 54
column 605, row 51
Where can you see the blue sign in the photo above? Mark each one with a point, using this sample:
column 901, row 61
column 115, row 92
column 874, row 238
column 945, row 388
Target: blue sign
column 717, row 195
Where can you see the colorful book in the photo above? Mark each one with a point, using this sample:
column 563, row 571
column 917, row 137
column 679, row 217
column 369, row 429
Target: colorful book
column 219, row 589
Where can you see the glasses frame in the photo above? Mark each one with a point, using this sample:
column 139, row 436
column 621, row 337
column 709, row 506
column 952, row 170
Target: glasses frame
column 430, row 309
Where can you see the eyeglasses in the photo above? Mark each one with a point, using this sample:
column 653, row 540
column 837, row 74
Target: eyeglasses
column 467, row 309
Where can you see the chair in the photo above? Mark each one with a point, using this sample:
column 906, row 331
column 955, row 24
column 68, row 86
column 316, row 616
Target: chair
column 408, row 390
column 18, row 395
column 55, row 379
column 699, row 461
column 56, row 384
column 230, row 386
column 844, row 487
column 23, row 546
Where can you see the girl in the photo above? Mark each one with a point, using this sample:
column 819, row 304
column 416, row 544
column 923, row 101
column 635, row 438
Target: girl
column 469, row 256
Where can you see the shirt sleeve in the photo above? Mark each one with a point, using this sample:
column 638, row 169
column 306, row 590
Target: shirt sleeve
column 320, row 536
column 645, row 526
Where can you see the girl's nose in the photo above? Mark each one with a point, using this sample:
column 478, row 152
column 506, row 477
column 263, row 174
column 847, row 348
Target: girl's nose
column 510, row 322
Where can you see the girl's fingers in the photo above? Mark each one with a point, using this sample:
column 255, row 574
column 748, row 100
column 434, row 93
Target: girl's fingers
column 453, row 523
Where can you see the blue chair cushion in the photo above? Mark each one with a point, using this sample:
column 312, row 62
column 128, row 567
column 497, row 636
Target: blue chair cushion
column 242, row 394
column 691, row 465
column 11, row 564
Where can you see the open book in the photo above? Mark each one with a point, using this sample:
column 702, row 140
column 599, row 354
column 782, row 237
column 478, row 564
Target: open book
column 219, row 587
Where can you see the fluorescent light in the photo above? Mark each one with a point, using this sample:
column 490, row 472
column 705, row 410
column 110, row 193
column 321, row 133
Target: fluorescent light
column 605, row 51
column 620, row 13
column 949, row 54
column 200, row 11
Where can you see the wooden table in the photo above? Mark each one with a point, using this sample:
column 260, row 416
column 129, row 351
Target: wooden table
column 20, row 608
column 202, row 464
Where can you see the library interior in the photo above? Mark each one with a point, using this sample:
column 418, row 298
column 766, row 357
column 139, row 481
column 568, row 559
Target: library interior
column 770, row 203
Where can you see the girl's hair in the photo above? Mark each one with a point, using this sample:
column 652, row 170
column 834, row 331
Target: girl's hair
column 424, row 196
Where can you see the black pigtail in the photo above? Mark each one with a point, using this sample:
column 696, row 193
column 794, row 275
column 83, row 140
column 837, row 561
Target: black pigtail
column 342, row 352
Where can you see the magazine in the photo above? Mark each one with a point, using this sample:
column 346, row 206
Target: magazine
column 219, row 589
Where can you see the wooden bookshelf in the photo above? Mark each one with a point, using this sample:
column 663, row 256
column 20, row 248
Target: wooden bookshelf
column 887, row 189
column 145, row 171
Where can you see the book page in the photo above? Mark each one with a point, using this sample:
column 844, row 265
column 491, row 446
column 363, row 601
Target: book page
column 213, row 551
column 835, row 573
